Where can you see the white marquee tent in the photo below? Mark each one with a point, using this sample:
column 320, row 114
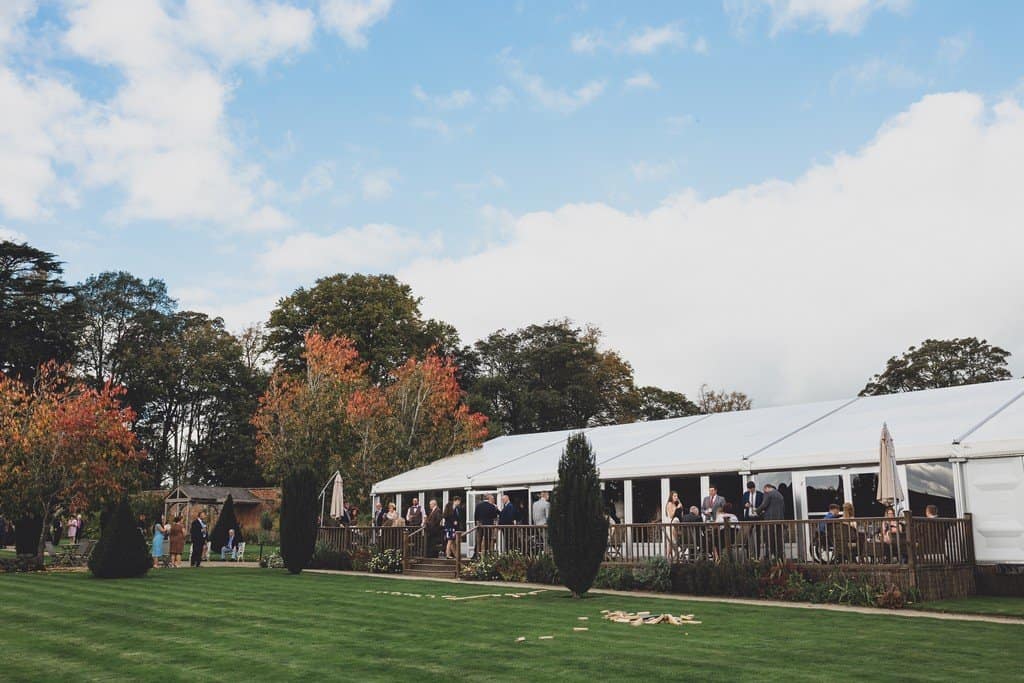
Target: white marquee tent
column 979, row 428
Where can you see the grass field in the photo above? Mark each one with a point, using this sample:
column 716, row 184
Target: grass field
column 212, row 623
column 979, row 604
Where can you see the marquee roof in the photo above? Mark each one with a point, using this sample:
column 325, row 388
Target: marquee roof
column 970, row 421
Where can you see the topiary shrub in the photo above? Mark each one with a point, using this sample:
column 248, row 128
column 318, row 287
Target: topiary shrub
column 326, row 557
column 298, row 518
column 122, row 552
column 225, row 520
column 577, row 527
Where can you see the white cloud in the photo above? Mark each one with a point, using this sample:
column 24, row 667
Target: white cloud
column 9, row 235
column 317, row 181
column 954, row 48
column 456, row 99
column 351, row 19
column 645, row 41
column 379, row 184
column 14, row 13
column 432, row 124
column 677, row 124
column 163, row 137
column 649, row 171
column 876, row 73
column 835, row 16
column 652, row 39
column 374, row 247
column 787, row 290
column 547, row 97
column 586, row 43
column 641, row 80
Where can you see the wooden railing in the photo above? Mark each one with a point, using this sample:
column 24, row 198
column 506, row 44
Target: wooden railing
column 906, row 540
column 864, row 541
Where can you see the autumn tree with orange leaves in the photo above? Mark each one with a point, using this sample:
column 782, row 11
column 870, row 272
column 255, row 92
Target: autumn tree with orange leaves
column 62, row 444
column 333, row 416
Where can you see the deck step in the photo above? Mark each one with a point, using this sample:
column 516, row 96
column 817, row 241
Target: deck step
column 431, row 573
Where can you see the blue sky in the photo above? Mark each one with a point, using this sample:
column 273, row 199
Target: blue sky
column 240, row 149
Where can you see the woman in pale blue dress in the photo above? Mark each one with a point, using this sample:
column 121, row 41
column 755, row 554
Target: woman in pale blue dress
column 159, row 538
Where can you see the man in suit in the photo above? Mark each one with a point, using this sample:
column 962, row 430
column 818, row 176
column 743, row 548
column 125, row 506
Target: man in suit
column 712, row 503
column 772, row 509
column 230, row 546
column 541, row 507
column 460, row 515
column 198, row 533
column 507, row 517
column 433, row 529
column 486, row 513
column 414, row 515
column 378, row 515
column 751, row 499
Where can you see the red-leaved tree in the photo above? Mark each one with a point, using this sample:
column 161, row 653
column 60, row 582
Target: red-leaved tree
column 62, row 443
column 334, row 417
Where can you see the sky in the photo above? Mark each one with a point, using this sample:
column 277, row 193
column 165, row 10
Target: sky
column 773, row 196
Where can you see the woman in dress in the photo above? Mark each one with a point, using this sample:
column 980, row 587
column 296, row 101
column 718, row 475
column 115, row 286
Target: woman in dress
column 159, row 536
column 727, row 522
column 391, row 517
column 73, row 530
column 177, row 538
column 451, row 527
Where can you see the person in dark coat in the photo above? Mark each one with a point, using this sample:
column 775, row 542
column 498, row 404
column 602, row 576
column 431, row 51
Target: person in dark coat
column 433, row 529
column 198, row 533
column 486, row 513
column 772, row 509
column 507, row 517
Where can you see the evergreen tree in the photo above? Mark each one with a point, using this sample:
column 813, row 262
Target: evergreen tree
column 298, row 518
column 122, row 551
column 225, row 520
column 577, row 526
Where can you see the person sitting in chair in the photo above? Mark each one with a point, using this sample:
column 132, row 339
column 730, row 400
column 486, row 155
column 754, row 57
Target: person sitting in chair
column 231, row 546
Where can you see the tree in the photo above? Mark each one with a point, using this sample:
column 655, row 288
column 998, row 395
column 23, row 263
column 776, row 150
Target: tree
column 62, row 443
column 298, row 518
column 38, row 312
column 121, row 552
column 941, row 363
column 550, row 377
column 199, row 397
column 225, row 520
column 332, row 416
column 661, row 404
column 377, row 313
column 418, row 417
column 711, row 401
column 120, row 313
column 577, row 526
column 301, row 419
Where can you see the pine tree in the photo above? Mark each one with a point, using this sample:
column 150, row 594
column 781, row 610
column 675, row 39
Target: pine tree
column 577, row 527
column 122, row 551
column 298, row 518
column 225, row 520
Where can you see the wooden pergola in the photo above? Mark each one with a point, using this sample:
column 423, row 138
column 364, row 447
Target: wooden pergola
column 182, row 500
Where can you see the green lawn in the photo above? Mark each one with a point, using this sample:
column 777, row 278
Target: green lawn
column 980, row 604
column 186, row 624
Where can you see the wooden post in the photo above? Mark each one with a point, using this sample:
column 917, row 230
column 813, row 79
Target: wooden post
column 969, row 523
column 405, row 550
column 908, row 520
column 458, row 554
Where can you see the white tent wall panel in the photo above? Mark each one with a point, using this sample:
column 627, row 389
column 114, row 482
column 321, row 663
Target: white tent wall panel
column 995, row 489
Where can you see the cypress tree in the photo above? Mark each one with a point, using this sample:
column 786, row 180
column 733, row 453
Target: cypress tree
column 225, row 520
column 298, row 518
column 577, row 527
column 122, row 552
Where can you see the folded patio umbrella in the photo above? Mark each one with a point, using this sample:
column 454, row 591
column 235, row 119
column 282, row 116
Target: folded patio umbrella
column 890, row 490
column 337, row 497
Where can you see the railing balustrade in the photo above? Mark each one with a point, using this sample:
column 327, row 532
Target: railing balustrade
column 863, row 541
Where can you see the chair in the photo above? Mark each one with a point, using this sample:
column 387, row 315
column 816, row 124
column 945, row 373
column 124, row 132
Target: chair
column 616, row 538
column 240, row 555
column 80, row 555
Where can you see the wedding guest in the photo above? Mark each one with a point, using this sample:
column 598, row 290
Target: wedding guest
column 433, row 531
column 159, row 536
column 73, row 530
column 451, row 527
column 230, row 546
column 414, row 515
column 198, row 534
column 177, row 541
